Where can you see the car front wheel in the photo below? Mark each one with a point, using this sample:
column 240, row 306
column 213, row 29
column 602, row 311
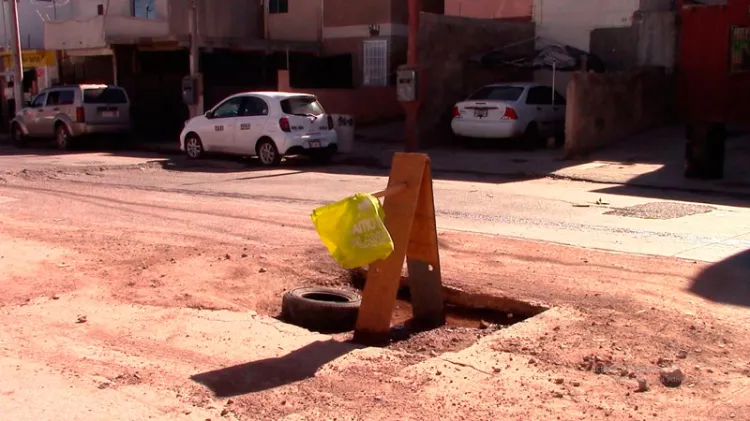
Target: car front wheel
column 193, row 147
column 17, row 136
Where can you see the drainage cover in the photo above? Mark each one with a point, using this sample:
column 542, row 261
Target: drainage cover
column 661, row 210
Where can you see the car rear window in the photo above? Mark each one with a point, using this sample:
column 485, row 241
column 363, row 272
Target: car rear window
column 104, row 96
column 498, row 93
column 302, row 105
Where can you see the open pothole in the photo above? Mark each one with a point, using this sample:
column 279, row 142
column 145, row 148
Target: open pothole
column 469, row 317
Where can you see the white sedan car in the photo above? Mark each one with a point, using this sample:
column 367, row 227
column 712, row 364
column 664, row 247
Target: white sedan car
column 269, row 125
column 528, row 111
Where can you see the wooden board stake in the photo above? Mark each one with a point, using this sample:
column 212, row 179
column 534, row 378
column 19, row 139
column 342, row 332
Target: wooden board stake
column 410, row 219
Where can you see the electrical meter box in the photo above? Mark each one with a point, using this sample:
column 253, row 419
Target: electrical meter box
column 407, row 84
column 190, row 90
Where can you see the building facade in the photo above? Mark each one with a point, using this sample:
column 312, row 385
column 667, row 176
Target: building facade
column 513, row 10
column 714, row 61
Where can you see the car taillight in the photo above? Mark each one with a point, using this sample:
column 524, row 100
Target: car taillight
column 80, row 115
column 510, row 114
column 284, row 124
column 330, row 123
column 456, row 113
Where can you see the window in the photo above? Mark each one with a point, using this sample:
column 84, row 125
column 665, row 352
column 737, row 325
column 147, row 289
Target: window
column 39, row 100
column 498, row 93
column 375, row 63
column 230, row 108
column 65, row 97
column 739, row 49
column 254, row 107
column 540, row 95
column 144, row 9
column 104, row 96
column 53, row 98
column 278, row 6
column 302, row 105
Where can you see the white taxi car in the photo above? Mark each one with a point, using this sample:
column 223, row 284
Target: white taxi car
column 269, row 125
column 526, row 111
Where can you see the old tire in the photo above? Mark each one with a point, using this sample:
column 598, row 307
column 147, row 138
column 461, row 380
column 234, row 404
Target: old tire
column 321, row 309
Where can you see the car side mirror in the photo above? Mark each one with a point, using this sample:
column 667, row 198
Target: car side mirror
column 208, row 114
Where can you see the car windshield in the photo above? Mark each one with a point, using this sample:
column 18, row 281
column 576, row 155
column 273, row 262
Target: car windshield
column 498, row 93
column 104, row 96
column 303, row 105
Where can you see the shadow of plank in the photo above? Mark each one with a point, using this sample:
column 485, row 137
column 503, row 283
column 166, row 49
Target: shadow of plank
column 270, row 373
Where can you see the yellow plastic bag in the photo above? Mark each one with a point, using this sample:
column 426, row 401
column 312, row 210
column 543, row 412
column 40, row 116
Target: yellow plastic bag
column 353, row 230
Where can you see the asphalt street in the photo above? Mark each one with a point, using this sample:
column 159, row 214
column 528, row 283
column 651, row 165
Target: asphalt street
column 708, row 228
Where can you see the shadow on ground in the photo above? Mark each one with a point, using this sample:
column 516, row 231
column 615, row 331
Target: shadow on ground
column 270, row 373
column 665, row 148
column 726, row 282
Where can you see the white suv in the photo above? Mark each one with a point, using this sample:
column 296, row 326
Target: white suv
column 67, row 112
column 268, row 125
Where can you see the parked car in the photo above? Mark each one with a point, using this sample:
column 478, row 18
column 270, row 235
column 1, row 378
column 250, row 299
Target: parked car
column 68, row 112
column 524, row 111
column 269, row 125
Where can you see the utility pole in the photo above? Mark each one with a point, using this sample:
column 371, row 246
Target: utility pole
column 17, row 56
column 412, row 60
column 197, row 108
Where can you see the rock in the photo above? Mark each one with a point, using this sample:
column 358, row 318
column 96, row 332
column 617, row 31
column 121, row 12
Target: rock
column 642, row 385
column 437, row 373
column 576, row 383
column 228, row 257
column 682, row 354
column 484, row 325
column 559, row 380
column 262, row 270
column 82, row 319
column 532, row 361
column 663, row 362
column 378, row 398
column 510, row 315
column 244, row 255
column 558, row 395
column 671, row 376
column 55, row 297
column 224, row 412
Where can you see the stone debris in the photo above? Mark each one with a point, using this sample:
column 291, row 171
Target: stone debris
column 671, row 376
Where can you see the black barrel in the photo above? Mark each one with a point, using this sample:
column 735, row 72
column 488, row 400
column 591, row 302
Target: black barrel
column 704, row 150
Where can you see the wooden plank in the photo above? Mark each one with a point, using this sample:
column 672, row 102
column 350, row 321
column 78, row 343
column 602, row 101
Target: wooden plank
column 379, row 295
column 423, row 260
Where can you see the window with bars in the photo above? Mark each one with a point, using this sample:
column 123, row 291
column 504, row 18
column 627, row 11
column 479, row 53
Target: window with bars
column 278, row 6
column 739, row 49
column 144, row 9
column 375, row 62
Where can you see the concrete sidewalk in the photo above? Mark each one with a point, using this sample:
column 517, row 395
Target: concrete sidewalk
column 652, row 160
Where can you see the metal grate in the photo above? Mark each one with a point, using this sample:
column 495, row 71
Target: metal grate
column 375, row 62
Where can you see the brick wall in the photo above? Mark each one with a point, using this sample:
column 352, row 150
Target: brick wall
column 605, row 108
column 366, row 104
column 445, row 45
